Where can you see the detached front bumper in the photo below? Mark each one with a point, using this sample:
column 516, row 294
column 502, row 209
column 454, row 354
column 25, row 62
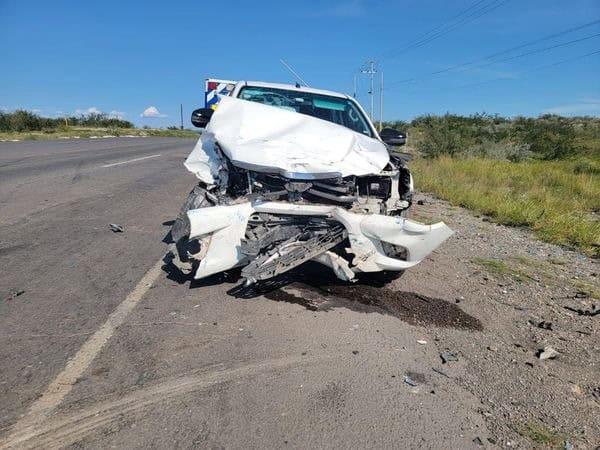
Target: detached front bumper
column 220, row 230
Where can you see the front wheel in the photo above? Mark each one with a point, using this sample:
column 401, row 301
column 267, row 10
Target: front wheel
column 180, row 231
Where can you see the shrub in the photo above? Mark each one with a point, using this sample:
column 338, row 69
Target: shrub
column 441, row 136
column 587, row 166
column 552, row 137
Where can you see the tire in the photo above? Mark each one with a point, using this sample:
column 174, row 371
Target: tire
column 180, row 231
column 379, row 279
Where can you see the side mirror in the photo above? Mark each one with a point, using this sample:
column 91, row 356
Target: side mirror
column 392, row 136
column 201, row 117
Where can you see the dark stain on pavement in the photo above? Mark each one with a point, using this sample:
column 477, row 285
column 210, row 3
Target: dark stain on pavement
column 410, row 307
column 317, row 289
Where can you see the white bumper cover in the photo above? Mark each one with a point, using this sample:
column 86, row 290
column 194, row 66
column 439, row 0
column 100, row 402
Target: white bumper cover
column 221, row 229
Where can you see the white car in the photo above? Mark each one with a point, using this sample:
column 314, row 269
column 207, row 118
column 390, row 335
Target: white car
column 289, row 174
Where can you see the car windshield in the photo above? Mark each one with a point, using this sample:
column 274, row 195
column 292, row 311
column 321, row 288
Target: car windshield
column 338, row 110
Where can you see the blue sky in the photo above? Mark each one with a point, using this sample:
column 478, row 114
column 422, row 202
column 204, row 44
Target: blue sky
column 122, row 57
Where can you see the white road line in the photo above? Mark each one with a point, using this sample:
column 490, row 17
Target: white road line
column 63, row 383
column 131, row 160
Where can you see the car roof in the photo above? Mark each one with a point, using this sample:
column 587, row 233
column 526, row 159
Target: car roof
column 291, row 87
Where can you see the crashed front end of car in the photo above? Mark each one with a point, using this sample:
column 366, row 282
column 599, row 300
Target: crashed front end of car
column 278, row 188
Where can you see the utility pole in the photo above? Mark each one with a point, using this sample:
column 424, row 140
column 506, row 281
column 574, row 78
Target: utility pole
column 181, row 114
column 371, row 71
column 381, row 103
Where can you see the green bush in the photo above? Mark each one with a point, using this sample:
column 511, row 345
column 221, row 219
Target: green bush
column 20, row 121
column 547, row 137
column 551, row 137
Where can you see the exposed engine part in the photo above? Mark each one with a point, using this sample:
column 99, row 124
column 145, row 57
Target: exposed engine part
column 293, row 252
column 266, row 229
column 333, row 197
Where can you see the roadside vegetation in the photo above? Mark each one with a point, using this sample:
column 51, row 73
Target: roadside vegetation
column 542, row 173
column 25, row 125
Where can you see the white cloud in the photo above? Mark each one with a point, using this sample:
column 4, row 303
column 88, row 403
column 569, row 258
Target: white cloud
column 36, row 110
column 152, row 111
column 116, row 114
column 589, row 106
column 92, row 110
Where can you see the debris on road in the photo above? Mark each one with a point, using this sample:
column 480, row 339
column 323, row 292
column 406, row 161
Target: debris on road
column 116, row 228
column 441, row 372
column 422, row 342
column 14, row 293
column 408, row 380
column 547, row 353
column 543, row 324
column 594, row 311
column 448, row 356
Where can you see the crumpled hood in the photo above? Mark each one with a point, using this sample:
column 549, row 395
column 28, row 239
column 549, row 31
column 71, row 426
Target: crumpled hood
column 269, row 139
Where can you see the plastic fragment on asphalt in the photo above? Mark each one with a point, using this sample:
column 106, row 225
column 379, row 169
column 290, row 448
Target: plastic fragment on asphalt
column 441, row 372
column 448, row 356
column 116, row 228
column 548, row 353
column 409, row 381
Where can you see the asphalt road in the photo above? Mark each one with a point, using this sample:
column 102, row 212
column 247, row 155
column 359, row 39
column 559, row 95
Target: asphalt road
column 105, row 348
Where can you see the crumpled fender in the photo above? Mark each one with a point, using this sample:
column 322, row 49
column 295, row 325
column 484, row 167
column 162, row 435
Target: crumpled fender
column 221, row 228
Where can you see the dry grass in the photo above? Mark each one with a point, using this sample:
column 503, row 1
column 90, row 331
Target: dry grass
column 83, row 132
column 556, row 199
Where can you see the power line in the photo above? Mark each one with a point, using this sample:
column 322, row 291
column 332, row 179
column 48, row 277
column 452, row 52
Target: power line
column 439, row 27
column 545, row 66
column 539, row 50
column 478, row 12
column 536, row 69
column 521, row 55
column 518, row 47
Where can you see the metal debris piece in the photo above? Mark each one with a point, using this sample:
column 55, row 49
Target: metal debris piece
column 409, row 381
column 448, row 356
column 13, row 293
column 116, row 228
column 543, row 324
column 594, row 311
column 547, row 353
column 441, row 372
